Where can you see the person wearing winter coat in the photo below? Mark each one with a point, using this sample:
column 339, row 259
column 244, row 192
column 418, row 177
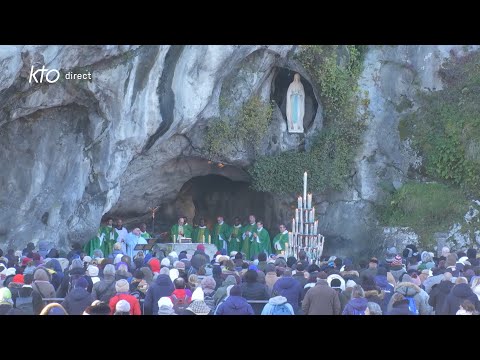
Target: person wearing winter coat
column 42, row 288
column 76, row 270
column 460, row 292
column 122, row 288
column 270, row 277
column 253, row 290
column 409, row 289
column 57, row 274
column 289, row 287
column 104, row 290
column 399, row 305
column 321, row 299
column 439, row 293
column 235, row 304
column 300, row 274
column 387, row 288
column 357, row 304
column 208, row 286
column 221, row 292
column 277, row 303
column 476, row 286
column 78, row 299
column 397, row 268
column 165, row 306
column 162, row 287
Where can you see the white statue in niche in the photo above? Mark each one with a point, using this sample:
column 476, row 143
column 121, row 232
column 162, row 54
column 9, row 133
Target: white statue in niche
column 295, row 105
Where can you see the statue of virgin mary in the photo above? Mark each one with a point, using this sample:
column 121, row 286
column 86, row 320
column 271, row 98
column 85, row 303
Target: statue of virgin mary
column 295, row 105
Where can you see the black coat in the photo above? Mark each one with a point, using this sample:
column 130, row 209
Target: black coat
column 255, row 291
column 76, row 301
column 65, row 286
column 460, row 293
column 400, row 308
column 438, row 296
column 163, row 286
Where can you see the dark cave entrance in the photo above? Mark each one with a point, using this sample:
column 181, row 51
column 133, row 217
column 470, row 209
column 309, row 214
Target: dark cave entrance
column 281, row 82
column 212, row 195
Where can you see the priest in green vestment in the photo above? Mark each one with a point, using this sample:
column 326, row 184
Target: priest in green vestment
column 201, row 233
column 180, row 229
column 143, row 231
column 261, row 239
column 280, row 239
column 235, row 239
column 247, row 236
column 104, row 240
column 188, row 227
column 221, row 233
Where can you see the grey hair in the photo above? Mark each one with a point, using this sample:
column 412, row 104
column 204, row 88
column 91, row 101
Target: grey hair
column 358, row 292
column 374, row 308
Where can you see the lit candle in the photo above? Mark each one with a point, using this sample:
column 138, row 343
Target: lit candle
column 209, row 239
column 309, row 201
column 203, row 238
column 299, row 200
column 315, row 227
column 293, row 225
column 313, row 214
column 305, row 185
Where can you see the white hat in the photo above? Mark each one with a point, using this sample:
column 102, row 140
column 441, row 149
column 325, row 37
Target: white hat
column 92, row 270
column 233, row 253
column 10, row 271
column 173, row 274
column 122, row 306
column 445, row 251
column 350, row 283
column 173, row 254
column 464, row 260
column 198, row 294
column 87, row 259
column 118, row 259
column 165, row 301
column 335, row 276
column 217, row 259
column 165, row 262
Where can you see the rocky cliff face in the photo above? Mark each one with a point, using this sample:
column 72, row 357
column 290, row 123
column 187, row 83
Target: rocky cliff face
column 129, row 138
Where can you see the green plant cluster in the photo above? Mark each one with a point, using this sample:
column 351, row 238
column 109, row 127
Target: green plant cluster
column 245, row 131
column 335, row 71
column 427, row 208
column 446, row 127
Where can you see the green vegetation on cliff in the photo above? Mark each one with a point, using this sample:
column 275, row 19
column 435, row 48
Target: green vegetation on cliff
column 335, row 71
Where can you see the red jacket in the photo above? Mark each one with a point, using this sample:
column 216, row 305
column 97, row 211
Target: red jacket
column 182, row 294
column 132, row 300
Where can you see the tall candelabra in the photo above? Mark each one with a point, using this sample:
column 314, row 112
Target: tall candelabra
column 304, row 234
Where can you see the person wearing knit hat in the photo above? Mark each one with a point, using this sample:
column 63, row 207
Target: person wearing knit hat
column 92, row 271
column 173, row 274
column 87, row 259
column 18, row 279
column 122, row 308
column 445, row 251
column 234, row 304
column 42, row 288
column 122, row 287
column 165, row 306
column 154, row 265
column 165, row 262
column 78, row 299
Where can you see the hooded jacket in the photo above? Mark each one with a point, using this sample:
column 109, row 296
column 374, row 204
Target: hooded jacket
column 104, row 290
column 235, row 305
column 408, row 289
column 162, row 286
column 321, row 300
column 438, row 296
column 269, row 309
column 221, row 292
column 77, row 301
column 74, row 273
column 387, row 288
column 57, row 276
column 255, row 291
column 355, row 305
column 400, row 308
column 42, row 288
column 291, row 289
column 459, row 293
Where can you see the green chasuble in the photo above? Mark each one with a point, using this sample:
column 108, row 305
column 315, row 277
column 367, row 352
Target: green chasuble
column 200, row 235
column 145, row 235
column 109, row 239
column 93, row 245
column 247, row 239
column 188, row 230
column 264, row 245
column 235, row 240
column 174, row 232
column 221, row 232
column 279, row 242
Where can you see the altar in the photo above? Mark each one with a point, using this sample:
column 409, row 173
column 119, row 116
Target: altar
column 190, row 248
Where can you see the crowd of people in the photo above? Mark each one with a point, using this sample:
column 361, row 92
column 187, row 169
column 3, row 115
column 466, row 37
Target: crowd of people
column 408, row 283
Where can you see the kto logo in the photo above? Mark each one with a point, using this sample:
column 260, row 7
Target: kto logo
column 51, row 76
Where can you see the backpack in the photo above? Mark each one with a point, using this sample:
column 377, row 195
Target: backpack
column 25, row 304
column 281, row 309
column 412, row 305
column 180, row 304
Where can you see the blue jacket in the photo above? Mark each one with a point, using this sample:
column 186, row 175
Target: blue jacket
column 291, row 289
column 356, row 304
column 460, row 293
column 235, row 305
column 163, row 286
column 400, row 308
